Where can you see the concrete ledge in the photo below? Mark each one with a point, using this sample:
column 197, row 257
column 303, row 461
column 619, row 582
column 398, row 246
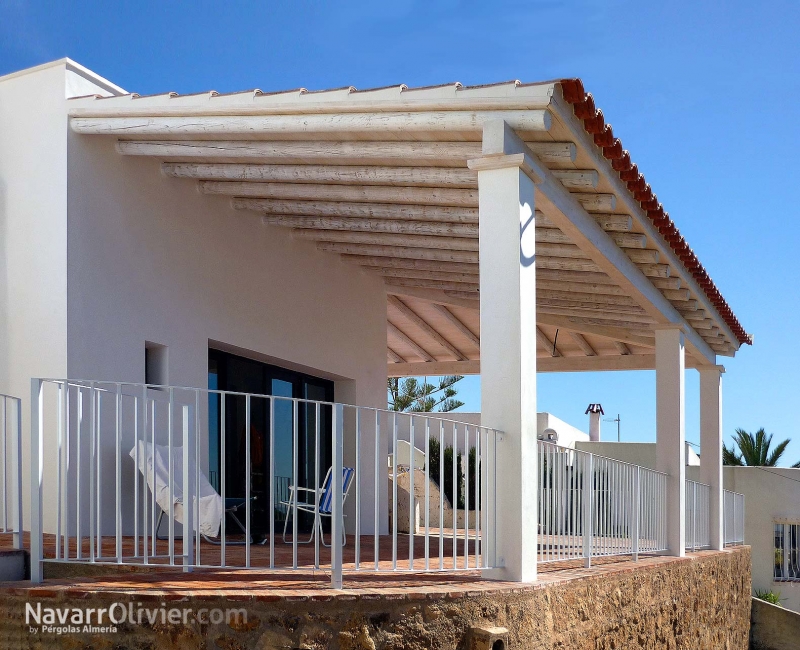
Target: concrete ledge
column 774, row 627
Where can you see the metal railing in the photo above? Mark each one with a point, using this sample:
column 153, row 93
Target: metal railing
column 733, row 518
column 698, row 515
column 105, row 498
column 11, row 467
column 591, row 506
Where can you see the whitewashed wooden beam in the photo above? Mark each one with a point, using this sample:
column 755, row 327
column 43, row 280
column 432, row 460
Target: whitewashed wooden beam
column 421, row 265
column 358, row 210
column 425, row 327
column 389, row 239
column 352, row 193
column 435, row 296
column 582, row 343
column 375, row 225
column 393, row 356
column 405, row 338
column 611, row 333
column 546, row 343
column 444, row 285
column 336, row 174
column 551, row 305
column 322, row 152
column 621, row 239
column 597, row 202
column 601, row 363
column 434, row 369
column 578, row 179
column 600, row 299
column 594, row 317
column 459, row 325
column 414, row 274
column 646, row 256
column 608, row 222
column 286, row 126
column 372, row 250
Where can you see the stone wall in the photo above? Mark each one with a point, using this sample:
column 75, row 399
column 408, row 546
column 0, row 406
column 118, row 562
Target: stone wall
column 696, row 603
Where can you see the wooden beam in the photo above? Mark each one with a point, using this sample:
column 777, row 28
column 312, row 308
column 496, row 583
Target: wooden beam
column 424, row 122
column 646, row 256
column 352, row 193
column 435, row 296
column 546, row 343
column 375, row 225
column 434, row 369
column 621, row 239
column 358, row 210
column 622, row 348
column 612, row 222
column 597, row 202
column 601, row 363
column 583, row 344
column 612, row 333
column 337, row 174
column 577, row 306
column 402, row 336
column 398, row 252
column 417, row 264
column 599, row 299
column 461, row 327
column 393, row 356
column 325, row 152
column 444, row 285
column 577, row 179
column 413, row 274
column 431, row 332
column 388, row 239
column 588, row 318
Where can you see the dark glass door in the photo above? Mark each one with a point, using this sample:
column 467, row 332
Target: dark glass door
column 238, row 374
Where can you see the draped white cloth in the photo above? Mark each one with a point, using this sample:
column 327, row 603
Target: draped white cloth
column 156, row 465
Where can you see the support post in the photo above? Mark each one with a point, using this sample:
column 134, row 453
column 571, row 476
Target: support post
column 37, row 444
column 670, row 430
column 337, row 519
column 711, row 448
column 508, row 344
column 16, row 454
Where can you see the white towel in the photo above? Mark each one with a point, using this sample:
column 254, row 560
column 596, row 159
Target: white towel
column 211, row 507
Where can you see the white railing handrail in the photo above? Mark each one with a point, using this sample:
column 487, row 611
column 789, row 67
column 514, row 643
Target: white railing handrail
column 11, row 461
column 573, row 450
column 92, row 420
column 733, row 513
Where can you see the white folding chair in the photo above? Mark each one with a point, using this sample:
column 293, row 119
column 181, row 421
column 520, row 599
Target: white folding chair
column 318, row 503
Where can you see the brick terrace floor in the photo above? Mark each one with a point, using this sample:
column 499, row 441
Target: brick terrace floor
column 261, row 583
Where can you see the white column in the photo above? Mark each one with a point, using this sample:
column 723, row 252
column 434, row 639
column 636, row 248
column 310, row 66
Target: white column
column 508, row 355
column 711, row 446
column 670, row 430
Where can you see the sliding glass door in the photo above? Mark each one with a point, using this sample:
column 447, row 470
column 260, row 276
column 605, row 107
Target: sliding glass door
column 311, row 451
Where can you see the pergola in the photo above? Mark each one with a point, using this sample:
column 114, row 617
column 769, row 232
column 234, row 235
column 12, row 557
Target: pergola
column 511, row 229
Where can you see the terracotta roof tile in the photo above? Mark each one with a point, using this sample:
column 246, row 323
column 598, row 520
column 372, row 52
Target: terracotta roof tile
column 593, row 121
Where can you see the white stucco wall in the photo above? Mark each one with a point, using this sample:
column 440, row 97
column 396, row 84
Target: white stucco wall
column 101, row 252
column 636, row 453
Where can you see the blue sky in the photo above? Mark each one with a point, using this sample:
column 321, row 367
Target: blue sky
column 704, row 95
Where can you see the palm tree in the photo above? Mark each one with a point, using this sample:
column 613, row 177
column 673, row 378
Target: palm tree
column 411, row 395
column 754, row 450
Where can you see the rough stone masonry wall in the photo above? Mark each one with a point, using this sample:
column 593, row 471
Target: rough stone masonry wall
column 694, row 604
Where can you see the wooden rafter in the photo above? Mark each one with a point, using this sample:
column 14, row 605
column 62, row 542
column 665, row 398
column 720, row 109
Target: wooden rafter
column 431, row 332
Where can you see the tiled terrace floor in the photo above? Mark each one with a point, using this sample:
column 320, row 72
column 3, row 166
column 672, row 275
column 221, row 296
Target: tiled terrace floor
column 260, row 583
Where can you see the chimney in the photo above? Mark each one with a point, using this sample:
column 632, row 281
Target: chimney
column 594, row 411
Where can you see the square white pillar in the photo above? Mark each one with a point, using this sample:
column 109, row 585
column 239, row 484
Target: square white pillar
column 670, row 430
column 508, row 355
column 711, row 446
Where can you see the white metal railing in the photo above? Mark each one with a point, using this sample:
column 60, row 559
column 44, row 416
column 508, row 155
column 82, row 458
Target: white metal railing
column 102, row 510
column 698, row 515
column 591, row 506
column 733, row 517
column 11, row 467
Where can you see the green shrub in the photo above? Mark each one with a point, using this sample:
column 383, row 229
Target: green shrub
column 769, row 596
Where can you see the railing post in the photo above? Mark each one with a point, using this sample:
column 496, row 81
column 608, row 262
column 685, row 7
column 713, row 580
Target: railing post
column 188, row 497
column 588, row 508
column 694, row 516
column 635, row 513
column 337, row 519
column 37, row 408
column 16, row 459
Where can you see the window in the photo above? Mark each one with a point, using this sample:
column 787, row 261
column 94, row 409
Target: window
column 156, row 364
column 787, row 552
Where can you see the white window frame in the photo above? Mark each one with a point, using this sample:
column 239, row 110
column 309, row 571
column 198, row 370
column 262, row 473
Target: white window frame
column 785, row 531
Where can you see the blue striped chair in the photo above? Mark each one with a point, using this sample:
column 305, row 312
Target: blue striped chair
column 320, row 506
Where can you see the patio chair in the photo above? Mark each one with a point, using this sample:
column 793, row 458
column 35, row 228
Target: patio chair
column 154, row 466
column 320, row 506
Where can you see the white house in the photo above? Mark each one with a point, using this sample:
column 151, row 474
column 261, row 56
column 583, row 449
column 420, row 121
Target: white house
column 304, row 245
